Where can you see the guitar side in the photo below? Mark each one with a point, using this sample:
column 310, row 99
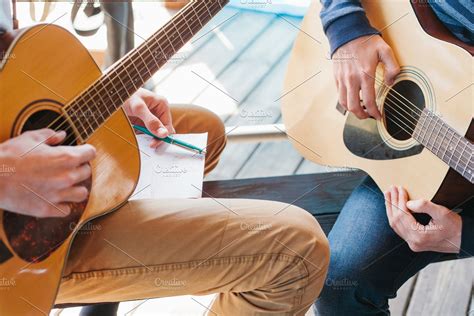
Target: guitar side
column 317, row 127
column 48, row 65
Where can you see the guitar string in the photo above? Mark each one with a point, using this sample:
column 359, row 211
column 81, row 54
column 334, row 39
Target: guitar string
column 461, row 151
column 146, row 63
column 402, row 122
column 436, row 124
column 114, row 70
column 454, row 152
column 128, row 57
column 115, row 75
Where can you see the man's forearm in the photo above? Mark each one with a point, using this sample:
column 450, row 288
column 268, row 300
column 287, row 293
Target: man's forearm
column 344, row 21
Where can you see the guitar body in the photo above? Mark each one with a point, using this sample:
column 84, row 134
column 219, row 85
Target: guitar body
column 47, row 68
column 434, row 73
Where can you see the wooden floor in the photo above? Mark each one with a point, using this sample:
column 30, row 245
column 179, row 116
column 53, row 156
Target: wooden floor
column 236, row 67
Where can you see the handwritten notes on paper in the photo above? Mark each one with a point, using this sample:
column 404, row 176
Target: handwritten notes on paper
column 170, row 171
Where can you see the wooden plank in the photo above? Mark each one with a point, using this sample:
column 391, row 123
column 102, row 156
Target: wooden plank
column 248, row 70
column 271, row 159
column 399, row 304
column 176, row 305
column 218, row 24
column 186, row 82
column 316, row 193
column 443, row 289
column 259, row 101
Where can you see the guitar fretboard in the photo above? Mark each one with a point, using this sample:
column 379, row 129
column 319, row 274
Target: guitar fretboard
column 443, row 141
column 94, row 106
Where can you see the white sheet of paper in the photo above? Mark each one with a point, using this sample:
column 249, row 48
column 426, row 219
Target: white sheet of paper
column 170, row 171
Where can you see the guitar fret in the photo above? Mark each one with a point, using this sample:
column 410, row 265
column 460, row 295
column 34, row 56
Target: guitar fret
column 77, row 122
column 89, row 112
column 205, row 4
column 104, row 87
column 449, row 146
column 455, row 148
column 198, row 18
column 88, row 129
column 171, row 43
column 133, row 63
column 460, row 157
column 423, row 129
column 436, row 139
column 124, row 87
column 144, row 63
column 157, row 64
column 189, row 28
column 427, row 142
column 132, row 80
column 104, row 105
column 128, row 74
column 467, row 167
column 179, row 33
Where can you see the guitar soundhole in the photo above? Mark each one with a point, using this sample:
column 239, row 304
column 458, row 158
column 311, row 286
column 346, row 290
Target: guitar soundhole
column 35, row 239
column 402, row 107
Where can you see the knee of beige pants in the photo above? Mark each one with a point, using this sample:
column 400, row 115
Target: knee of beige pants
column 196, row 119
column 291, row 269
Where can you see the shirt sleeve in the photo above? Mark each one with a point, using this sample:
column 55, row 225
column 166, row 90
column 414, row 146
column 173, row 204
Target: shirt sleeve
column 467, row 236
column 344, row 21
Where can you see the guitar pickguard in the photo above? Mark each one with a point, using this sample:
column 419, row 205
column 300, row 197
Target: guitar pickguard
column 363, row 139
column 34, row 239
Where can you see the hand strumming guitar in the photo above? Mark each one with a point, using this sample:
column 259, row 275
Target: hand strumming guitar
column 354, row 69
column 39, row 176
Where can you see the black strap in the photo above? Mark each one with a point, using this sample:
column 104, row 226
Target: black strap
column 14, row 19
column 90, row 10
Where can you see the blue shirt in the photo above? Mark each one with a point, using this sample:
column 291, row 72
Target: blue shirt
column 345, row 20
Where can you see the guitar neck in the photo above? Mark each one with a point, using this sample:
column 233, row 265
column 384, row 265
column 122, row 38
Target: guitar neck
column 91, row 109
column 443, row 141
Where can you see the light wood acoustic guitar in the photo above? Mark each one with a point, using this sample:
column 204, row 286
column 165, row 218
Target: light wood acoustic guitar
column 48, row 79
column 424, row 141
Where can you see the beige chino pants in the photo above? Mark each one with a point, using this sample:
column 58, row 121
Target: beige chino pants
column 260, row 257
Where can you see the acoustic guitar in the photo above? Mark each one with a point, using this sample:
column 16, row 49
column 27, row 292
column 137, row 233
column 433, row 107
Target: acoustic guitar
column 52, row 81
column 424, row 141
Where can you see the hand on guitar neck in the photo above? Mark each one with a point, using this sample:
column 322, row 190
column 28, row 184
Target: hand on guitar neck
column 354, row 69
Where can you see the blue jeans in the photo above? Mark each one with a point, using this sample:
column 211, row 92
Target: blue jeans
column 369, row 261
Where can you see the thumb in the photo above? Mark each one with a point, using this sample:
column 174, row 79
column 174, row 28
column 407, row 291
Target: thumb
column 153, row 124
column 424, row 206
column 48, row 136
column 391, row 65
